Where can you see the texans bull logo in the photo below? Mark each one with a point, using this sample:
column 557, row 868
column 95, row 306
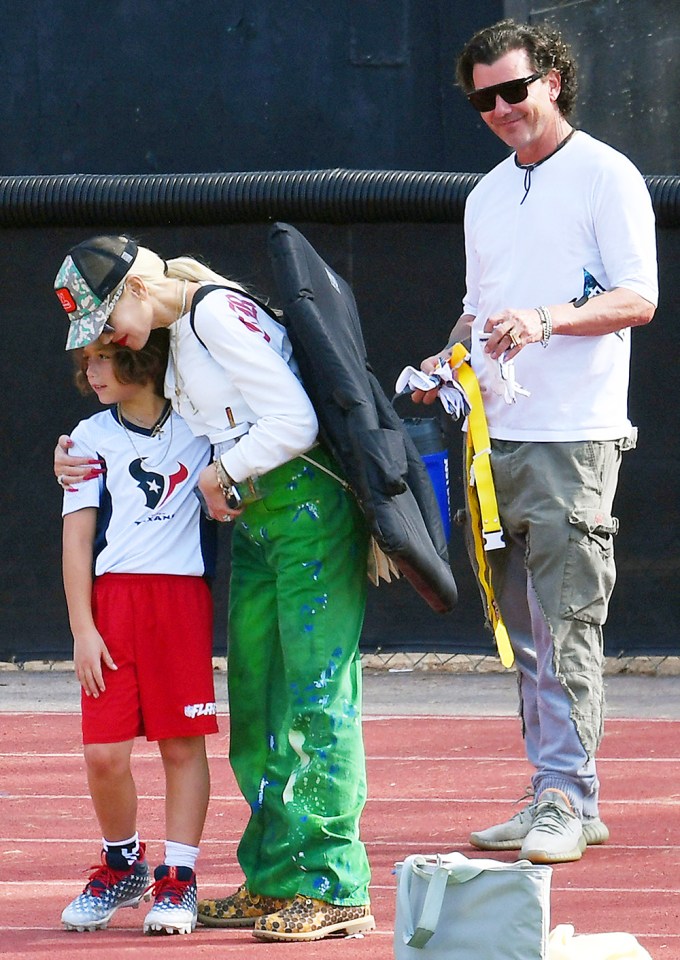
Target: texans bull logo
column 156, row 487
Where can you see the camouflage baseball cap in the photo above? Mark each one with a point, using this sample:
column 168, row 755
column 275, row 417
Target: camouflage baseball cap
column 86, row 285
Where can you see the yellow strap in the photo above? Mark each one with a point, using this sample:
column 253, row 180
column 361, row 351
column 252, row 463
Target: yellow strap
column 479, row 471
column 485, row 522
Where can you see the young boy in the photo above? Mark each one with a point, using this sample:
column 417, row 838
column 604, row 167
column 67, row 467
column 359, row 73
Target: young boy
column 136, row 554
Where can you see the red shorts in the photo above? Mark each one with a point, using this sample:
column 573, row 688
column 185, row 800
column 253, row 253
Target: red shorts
column 158, row 630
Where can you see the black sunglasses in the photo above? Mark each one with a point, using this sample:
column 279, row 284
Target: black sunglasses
column 512, row 91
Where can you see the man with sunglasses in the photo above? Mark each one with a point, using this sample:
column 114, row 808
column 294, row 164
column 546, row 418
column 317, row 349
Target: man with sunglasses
column 561, row 264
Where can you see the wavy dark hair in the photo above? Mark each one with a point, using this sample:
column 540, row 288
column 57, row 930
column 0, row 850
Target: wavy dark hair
column 132, row 366
column 545, row 48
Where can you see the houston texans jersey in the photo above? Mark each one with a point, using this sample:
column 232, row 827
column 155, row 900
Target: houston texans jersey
column 148, row 517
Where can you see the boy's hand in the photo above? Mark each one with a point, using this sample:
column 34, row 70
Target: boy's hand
column 90, row 654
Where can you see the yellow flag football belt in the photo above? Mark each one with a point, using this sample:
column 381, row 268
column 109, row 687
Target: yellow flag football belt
column 484, row 518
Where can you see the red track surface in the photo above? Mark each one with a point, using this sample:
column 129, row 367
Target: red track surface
column 431, row 780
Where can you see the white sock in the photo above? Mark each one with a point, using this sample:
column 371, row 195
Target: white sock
column 180, row 854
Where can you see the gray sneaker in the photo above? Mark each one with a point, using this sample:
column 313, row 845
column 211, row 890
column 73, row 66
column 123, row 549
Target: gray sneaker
column 505, row 836
column 595, row 831
column 556, row 835
column 106, row 892
column 511, row 834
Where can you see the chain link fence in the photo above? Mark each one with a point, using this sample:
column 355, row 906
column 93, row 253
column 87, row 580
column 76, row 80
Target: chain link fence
column 661, row 666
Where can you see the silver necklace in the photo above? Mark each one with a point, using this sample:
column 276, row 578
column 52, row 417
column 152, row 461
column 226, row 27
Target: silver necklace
column 156, row 432
column 180, row 393
column 183, row 305
column 155, row 428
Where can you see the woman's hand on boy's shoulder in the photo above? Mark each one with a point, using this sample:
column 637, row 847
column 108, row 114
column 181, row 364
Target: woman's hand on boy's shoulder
column 71, row 470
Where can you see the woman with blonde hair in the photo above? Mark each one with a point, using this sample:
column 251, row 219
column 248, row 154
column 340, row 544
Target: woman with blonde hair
column 298, row 578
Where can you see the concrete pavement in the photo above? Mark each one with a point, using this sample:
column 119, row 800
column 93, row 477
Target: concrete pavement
column 393, row 692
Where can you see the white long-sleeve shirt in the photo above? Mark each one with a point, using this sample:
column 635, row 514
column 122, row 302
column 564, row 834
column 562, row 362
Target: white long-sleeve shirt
column 237, row 384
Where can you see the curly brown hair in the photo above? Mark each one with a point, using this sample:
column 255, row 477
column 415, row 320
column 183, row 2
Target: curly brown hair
column 131, row 366
column 544, row 46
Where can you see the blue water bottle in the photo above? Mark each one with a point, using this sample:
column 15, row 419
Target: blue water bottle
column 428, row 438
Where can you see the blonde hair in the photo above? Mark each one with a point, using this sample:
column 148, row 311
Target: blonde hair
column 153, row 270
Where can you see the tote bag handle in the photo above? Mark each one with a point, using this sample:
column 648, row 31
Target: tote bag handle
column 439, row 872
column 446, row 871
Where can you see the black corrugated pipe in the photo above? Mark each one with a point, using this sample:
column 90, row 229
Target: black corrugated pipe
column 328, row 196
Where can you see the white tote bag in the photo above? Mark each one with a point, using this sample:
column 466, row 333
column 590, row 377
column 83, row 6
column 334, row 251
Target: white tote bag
column 452, row 908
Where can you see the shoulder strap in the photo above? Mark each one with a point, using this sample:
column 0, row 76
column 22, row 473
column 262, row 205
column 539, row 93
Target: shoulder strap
column 207, row 288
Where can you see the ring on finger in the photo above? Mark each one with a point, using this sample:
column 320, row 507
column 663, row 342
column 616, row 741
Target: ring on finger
column 62, row 481
column 514, row 339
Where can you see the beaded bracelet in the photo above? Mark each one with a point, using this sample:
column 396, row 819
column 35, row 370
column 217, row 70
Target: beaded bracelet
column 546, row 324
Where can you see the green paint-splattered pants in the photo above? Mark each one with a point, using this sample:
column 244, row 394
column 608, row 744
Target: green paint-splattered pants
column 298, row 594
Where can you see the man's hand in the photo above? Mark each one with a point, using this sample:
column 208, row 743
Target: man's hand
column 459, row 334
column 510, row 330
column 427, row 366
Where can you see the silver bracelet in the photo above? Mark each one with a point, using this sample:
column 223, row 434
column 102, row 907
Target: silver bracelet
column 226, row 484
column 545, row 317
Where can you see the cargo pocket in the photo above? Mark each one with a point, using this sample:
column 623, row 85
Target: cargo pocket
column 589, row 571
